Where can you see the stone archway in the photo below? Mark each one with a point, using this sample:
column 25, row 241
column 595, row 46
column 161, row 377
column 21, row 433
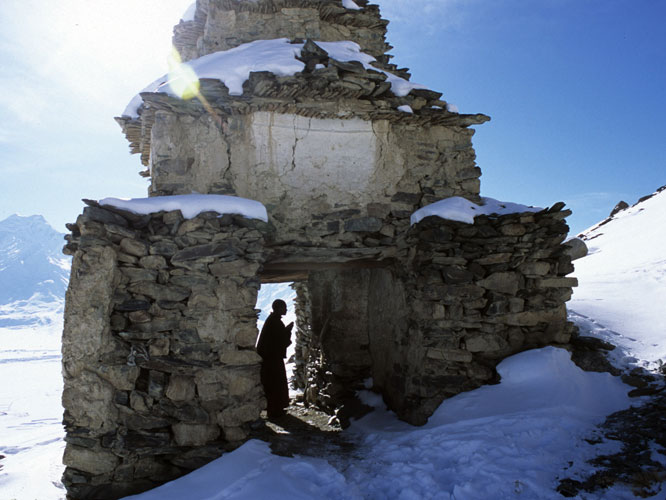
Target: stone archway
column 349, row 315
column 160, row 371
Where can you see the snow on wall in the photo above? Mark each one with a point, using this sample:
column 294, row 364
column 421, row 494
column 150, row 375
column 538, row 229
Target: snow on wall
column 278, row 56
column 192, row 205
column 459, row 209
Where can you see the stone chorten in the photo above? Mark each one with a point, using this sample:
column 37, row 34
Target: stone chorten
column 158, row 348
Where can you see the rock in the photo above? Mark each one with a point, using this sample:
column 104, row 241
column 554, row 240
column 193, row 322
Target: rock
column 153, row 262
column 485, row 343
column 180, row 388
column 235, row 434
column 163, row 247
column 143, row 422
column 622, row 205
column 91, row 461
column 239, row 358
column 122, row 377
column 557, row 282
column 159, row 292
column 104, row 216
column 194, row 434
column 138, row 274
column 133, row 305
column 575, row 248
column 133, row 247
column 363, row 224
column 230, row 417
column 215, row 249
column 532, row 269
column 504, row 282
column 449, row 355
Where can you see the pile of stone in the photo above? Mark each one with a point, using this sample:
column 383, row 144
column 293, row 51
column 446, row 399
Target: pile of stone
column 160, row 371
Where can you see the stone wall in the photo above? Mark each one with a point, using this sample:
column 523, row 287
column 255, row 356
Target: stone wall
column 225, row 24
column 300, row 167
column 160, row 372
column 456, row 300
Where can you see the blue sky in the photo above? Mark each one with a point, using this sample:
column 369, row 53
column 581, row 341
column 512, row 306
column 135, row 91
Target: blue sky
column 575, row 89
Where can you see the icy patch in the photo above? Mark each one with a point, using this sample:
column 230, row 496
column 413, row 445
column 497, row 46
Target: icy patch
column 233, row 67
column 192, row 205
column 459, row 209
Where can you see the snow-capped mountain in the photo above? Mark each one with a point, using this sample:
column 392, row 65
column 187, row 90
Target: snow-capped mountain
column 622, row 280
column 33, row 271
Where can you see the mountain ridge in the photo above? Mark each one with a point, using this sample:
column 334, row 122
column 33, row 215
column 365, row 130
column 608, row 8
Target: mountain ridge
column 33, row 271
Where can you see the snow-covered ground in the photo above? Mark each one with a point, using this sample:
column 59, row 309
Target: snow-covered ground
column 31, row 433
column 622, row 291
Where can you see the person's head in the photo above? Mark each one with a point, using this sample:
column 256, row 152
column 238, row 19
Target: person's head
column 280, row 307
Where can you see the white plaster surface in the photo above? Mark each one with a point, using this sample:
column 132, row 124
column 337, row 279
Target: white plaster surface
column 309, row 157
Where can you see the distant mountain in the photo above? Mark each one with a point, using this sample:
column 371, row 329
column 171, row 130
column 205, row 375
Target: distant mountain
column 33, row 271
column 622, row 280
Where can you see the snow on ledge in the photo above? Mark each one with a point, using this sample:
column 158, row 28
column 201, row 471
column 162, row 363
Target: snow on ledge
column 192, row 205
column 459, row 209
column 188, row 15
column 350, row 4
column 232, row 67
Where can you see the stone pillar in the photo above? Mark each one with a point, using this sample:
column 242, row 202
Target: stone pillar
column 160, row 370
column 303, row 335
column 478, row 293
column 341, row 347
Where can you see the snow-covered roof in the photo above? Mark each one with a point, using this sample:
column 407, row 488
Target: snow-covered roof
column 459, row 209
column 192, row 205
column 278, row 56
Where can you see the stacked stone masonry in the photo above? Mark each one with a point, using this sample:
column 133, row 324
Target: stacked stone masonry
column 161, row 375
column 160, row 371
column 434, row 321
column 225, row 24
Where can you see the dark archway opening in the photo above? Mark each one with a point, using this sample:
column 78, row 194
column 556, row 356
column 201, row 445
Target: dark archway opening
column 348, row 318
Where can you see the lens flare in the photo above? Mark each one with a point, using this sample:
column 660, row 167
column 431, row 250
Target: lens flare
column 183, row 80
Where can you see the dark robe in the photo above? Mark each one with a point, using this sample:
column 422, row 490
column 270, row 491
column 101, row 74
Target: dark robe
column 272, row 347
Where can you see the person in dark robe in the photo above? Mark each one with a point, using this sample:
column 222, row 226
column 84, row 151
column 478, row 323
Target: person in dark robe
column 272, row 347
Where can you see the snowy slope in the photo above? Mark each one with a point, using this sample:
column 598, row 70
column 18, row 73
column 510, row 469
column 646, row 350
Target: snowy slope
column 622, row 281
column 33, row 271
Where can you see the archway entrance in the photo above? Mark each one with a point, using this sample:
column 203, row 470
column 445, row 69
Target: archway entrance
column 348, row 316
